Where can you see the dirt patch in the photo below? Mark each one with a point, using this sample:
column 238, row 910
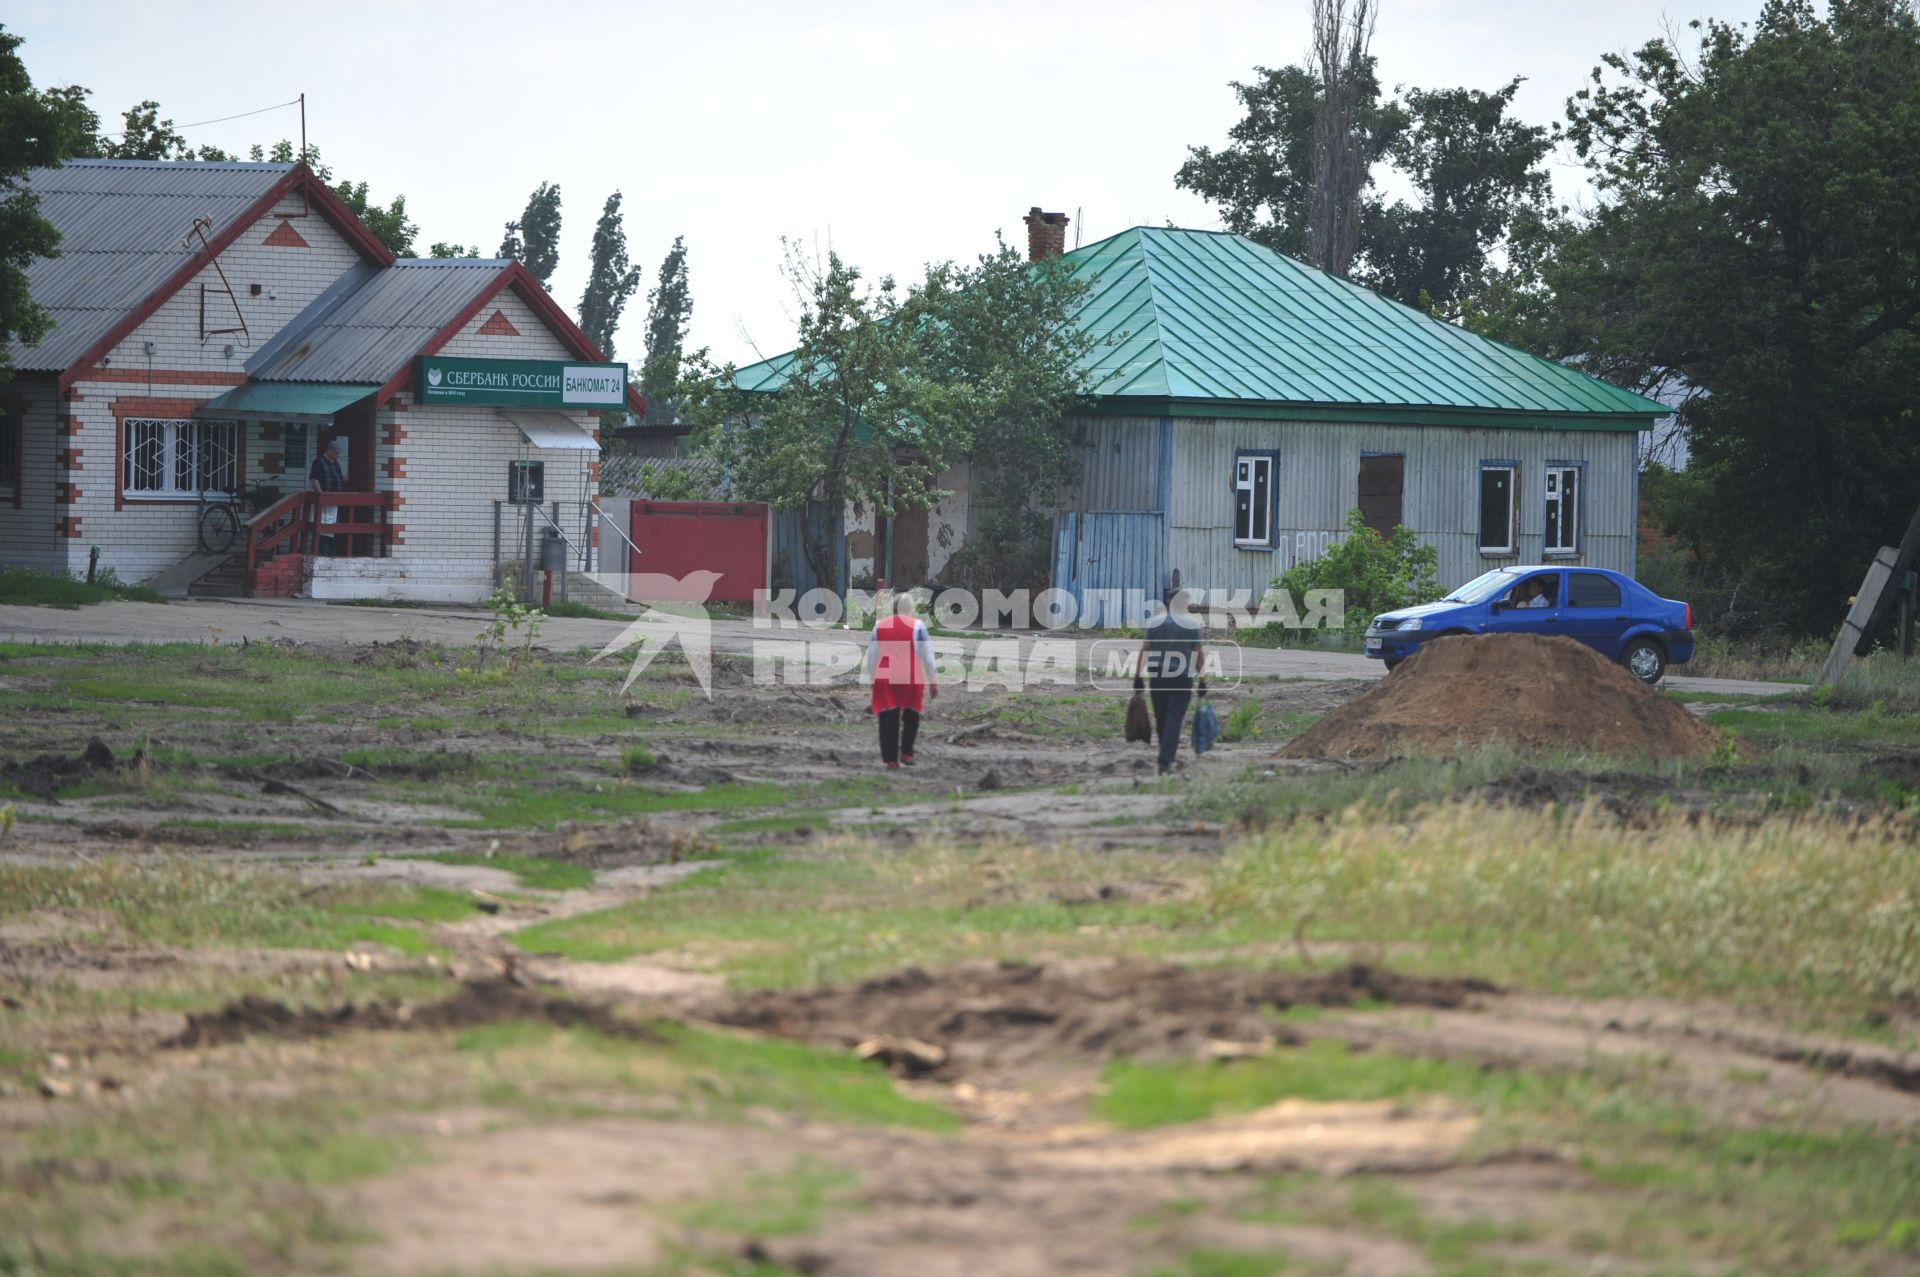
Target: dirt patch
column 618, row 845
column 480, row 1002
column 1514, row 689
column 47, row 774
column 982, row 1016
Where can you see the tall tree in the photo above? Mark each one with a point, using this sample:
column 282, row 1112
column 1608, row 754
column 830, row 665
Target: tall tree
column 35, row 131
column 611, row 281
column 888, row 389
column 145, row 136
column 1756, row 246
column 1476, row 172
column 1342, row 168
column 534, row 240
column 669, row 308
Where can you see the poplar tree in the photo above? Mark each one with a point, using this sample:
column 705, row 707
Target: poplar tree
column 669, row 308
column 611, row 282
column 534, row 240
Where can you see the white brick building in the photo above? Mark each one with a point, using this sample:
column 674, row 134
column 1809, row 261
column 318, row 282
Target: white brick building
column 216, row 324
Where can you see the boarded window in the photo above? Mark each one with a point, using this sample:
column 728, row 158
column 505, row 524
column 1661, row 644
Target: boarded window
column 1382, row 481
column 1253, row 499
column 1590, row 589
column 1498, row 510
column 1563, row 510
column 526, row 481
column 180, row 458
column 9, row 452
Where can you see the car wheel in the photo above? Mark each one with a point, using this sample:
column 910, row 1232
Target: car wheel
column 1646, row 660
column 1393, row 663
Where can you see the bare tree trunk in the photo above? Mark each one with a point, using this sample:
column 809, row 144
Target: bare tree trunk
column 1341, row 37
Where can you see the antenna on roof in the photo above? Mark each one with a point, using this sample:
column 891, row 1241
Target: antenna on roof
column 1079, row 224
column 303, row 128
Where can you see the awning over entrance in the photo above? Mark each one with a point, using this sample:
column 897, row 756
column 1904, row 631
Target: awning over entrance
column 551, row 430
column 311, row 401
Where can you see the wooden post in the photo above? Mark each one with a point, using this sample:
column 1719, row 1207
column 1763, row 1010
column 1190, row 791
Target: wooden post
column 1876, row 598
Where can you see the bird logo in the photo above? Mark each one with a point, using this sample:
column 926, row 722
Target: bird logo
column 686, row 619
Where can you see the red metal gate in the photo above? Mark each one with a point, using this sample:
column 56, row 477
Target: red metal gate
column 677, row 538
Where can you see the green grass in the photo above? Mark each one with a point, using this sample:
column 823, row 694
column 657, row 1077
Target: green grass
column 702, row 1070
column 197, row 905
column 1228, row 1263
column 790, row 1204
column 33, row 588
column 534, row 808
column 582, row 611
column 1141, row 1094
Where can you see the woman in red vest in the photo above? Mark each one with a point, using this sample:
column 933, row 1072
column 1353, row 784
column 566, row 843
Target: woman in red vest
column 900, row 667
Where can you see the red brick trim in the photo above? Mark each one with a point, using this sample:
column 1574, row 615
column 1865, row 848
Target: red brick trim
column 69, row 459
column 498, row 325
column 284, row 236
column 394, row 434
column 394, row 467
column 68, row 527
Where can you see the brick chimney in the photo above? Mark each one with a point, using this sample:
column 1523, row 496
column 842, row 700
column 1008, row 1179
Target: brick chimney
column 1046, row 234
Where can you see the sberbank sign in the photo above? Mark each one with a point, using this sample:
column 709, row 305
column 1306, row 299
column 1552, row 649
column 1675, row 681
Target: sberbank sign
column 534, row 382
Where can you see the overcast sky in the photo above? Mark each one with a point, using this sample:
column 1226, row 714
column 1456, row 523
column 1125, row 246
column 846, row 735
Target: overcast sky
column 900, row 133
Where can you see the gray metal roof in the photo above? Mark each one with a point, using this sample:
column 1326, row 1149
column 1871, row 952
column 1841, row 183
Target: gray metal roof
column 123, row 226
column 366, row 328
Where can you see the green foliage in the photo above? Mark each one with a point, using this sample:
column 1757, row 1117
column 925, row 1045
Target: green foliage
column 1377, row 573
column 1475, row 169
column 57, row 589
column 1243, row 723
column 611, row 280
column 534, row 240
column 444, row 250
column 669, row 308
column 887, row 390
column 35, row 130
column 1754, row 250
column 510, row 618
column 669, row 483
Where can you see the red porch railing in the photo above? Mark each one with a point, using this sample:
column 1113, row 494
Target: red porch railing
column 292, row 525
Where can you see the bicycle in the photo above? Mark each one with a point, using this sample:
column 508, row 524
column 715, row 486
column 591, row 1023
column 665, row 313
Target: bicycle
column 219, row 522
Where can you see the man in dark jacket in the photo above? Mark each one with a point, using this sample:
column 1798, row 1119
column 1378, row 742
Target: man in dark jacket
column 324, row 475
column 1169, row 661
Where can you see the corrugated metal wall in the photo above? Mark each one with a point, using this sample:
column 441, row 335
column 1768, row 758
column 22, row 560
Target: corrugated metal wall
column 1108, row 552
column 1318, row 482
column 789, row 568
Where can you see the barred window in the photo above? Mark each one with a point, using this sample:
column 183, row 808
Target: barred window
column 180, row 458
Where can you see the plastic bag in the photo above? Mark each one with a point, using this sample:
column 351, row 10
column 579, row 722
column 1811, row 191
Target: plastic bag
column 1139, row 719
column 1206, row 727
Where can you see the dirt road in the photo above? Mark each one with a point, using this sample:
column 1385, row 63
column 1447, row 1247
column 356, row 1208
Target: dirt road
column 306, row 621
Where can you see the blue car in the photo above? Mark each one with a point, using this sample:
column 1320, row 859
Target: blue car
column 1615, row 615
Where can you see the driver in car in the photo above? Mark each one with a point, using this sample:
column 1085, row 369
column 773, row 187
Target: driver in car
column 1532, row 593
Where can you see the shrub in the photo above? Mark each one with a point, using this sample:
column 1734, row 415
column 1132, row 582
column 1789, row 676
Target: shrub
column 1378, row 574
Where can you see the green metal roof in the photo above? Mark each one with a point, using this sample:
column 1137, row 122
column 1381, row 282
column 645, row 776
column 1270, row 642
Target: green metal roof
column 285, row 400
column 1203, row 323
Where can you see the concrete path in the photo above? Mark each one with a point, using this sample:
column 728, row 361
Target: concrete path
column 306, row 621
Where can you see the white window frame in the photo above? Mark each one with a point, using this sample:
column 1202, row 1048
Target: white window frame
column 1247, row 465
column 180, row 442
column 1512, row 546
column 1555, row 498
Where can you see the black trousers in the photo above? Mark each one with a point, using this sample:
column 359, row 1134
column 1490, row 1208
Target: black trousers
column 898, row 728
column 1169, row 712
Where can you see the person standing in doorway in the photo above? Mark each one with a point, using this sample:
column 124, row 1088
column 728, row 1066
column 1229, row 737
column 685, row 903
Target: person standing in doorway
column 900, row 667
column 325, row 476
column 1169, row 661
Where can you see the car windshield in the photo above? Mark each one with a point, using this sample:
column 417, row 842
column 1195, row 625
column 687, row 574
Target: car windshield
column 1482, row 588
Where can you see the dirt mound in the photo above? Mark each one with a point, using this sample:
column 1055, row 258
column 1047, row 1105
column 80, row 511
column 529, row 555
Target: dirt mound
column 44, row 776
column 985, row 1015
column 1512, row 689
column 481, row 1002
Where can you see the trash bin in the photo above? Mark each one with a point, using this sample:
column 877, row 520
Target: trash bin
column 553, row 552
